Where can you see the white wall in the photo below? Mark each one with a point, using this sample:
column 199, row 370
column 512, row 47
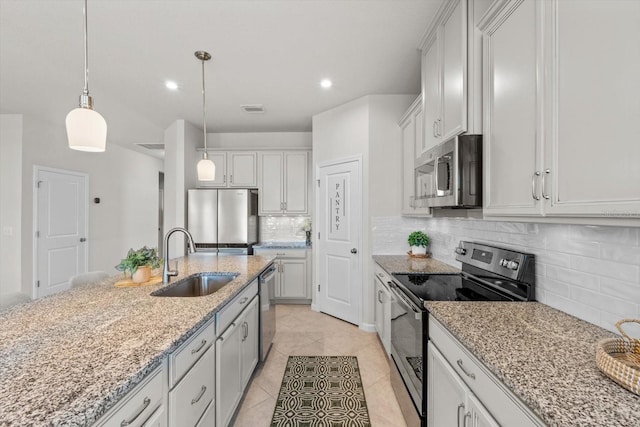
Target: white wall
column 126, row 182
column 366, row 127
column 591, row 272
column 10, row 204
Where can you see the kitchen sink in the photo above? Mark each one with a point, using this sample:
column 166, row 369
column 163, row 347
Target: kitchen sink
column 197, row 285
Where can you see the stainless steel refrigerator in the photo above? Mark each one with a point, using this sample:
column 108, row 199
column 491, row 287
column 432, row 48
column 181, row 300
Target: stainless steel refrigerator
column 224, row 221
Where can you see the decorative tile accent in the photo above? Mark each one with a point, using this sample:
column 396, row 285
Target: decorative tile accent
column 591, row 272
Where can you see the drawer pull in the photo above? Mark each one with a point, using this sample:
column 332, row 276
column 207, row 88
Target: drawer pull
column 460, row 406
column 243, row 300
column 199, row 396
column 146, row 402
column 202, row 344
column 280, row 254
column 464, row 422
column 467, row 373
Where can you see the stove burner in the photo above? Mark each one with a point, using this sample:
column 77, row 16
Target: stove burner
column 418, row 279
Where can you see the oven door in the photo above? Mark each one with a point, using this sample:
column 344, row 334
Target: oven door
column 407, row 344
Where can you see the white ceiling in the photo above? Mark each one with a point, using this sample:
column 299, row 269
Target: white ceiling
column 264, row 52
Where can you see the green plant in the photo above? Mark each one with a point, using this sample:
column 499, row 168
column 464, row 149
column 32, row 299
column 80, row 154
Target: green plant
column 141, row 257
column 418, row 238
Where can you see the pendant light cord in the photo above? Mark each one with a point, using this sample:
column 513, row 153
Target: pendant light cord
column 204, row 114
column 85, row 91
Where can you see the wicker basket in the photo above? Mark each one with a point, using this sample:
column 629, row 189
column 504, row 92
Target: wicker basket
column 619, row 358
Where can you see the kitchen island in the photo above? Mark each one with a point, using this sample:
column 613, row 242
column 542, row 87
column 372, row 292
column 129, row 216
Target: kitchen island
column 545, row 357
column 66, row 359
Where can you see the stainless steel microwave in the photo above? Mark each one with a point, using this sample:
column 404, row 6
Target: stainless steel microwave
column 450, row 174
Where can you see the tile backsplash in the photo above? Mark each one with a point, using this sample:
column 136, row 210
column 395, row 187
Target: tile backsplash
column 283, row 228
column 591, row 272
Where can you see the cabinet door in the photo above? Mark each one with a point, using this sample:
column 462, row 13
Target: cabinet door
column 242, row 169
column 295, row 182
column 408, row 164
column 446, row 392
column 293, row 279
column 454, row 71
column 249, row 341
column 220, row 160
column 430, row 97
column 592, row 152
column 228, row 374
column 511, row 91
column 479, row 415
column 271, row 176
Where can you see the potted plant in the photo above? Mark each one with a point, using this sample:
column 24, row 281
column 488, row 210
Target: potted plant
column 418, row 242
column 139, row 263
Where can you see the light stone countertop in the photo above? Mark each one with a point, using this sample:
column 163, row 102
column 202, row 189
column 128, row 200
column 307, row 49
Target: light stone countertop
column 282, row 245
column 405, row 264
column 67, row 358
column 546, row 357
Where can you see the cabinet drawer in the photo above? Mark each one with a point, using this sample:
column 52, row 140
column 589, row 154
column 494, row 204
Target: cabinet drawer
column 233, row 308
column 137, row 409
column 189, row 399
column 188, row 354
column 283, row 253
column 505, row 407
column 209, row 417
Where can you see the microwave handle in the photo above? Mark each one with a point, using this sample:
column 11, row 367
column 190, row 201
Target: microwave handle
column 435, row 172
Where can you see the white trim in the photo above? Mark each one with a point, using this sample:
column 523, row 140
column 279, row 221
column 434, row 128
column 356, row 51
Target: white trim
column 34, row 224
column 368, row 327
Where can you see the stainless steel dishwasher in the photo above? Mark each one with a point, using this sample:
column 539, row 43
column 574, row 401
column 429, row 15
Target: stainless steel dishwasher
column 267, row 310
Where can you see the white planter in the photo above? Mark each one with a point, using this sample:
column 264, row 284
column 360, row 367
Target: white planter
column 418, row 250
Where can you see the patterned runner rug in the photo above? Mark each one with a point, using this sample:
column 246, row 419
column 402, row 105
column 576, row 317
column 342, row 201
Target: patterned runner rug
column 321, row 391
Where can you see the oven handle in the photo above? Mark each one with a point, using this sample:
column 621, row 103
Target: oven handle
column 403, row 299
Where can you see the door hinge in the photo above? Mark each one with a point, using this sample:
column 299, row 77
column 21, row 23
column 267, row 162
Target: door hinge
column 318, row 181
column 37, row 234
column 37, row 283
column 318, row 287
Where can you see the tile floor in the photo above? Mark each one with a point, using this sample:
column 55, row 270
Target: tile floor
column 301, row 331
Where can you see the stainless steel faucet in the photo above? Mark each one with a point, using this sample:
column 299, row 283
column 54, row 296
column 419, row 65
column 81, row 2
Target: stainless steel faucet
column 166, row 272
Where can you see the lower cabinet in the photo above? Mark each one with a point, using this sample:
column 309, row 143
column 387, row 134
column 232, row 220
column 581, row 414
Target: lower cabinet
column 196, row 390
column 293, row 274
column 383, row 308
column 236, row 358
column 462, row 391
column 451, row 402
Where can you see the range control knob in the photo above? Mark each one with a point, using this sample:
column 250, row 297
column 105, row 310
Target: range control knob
column 512, row 265
column 461, row 251
column 503, row 262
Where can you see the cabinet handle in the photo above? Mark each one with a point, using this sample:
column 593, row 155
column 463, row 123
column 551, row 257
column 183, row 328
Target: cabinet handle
column 280, row 254
column 224, row 179
column 545, row 195
column 439, row 127
column 379, row 300
column 243, row 300
column 460, row 406
column 145, row 403
column 433, row 129
column 467, row 373
column 231, row 179
column 233, row 325
column 467, row 415
column 200, row 347
column 199, row 396
column 533, row 185
column 285, row 206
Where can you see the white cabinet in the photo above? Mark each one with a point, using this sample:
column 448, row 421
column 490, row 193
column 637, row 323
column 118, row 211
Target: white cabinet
column 144, row 405
column 192, row 395
column 444, row 75
column 560, row 106
column 458, row 385
column 411, row 126
column 383, row 308
column 236, row 352
column 283, row 183
column 450, row 401
column 293, row 273
column 234, row 169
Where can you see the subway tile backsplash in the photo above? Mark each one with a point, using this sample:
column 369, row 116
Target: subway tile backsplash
column 283, row 228
column 591, row 272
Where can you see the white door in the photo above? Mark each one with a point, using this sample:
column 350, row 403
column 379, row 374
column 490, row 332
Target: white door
column 340, row 226
column 61, row 229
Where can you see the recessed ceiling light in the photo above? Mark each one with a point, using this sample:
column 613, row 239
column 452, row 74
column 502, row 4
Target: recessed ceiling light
column 171, row 85
column 326, row 83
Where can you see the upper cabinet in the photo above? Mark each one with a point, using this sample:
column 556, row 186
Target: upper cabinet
column 283, row 183
column 446, row 74
column 560, row 108
column 234, row 169
column 411, row 126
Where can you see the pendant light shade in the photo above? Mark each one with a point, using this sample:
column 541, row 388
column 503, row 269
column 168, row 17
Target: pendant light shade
column 206, row 167
column 86, row 128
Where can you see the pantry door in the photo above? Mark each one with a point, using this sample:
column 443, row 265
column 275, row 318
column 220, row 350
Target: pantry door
column 60, row 224
column 339, row 222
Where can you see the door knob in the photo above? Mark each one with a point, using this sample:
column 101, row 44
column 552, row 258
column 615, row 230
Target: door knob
column 354, row 251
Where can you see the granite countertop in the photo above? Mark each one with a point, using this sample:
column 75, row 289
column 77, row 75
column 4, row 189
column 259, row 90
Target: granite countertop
column 546, row 357
column 406, row 264
column 282, row 245
column 66, row 359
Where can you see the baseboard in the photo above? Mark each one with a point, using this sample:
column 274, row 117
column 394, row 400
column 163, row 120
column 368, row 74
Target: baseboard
column 315, row 308
column 368, row 327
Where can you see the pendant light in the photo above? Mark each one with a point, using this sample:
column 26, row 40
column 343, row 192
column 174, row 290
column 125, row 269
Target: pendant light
column 206, row 167
column 86, row 128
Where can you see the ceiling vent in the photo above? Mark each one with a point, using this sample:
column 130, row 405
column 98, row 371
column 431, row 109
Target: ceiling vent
column 151, row 145
column 253, row 109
